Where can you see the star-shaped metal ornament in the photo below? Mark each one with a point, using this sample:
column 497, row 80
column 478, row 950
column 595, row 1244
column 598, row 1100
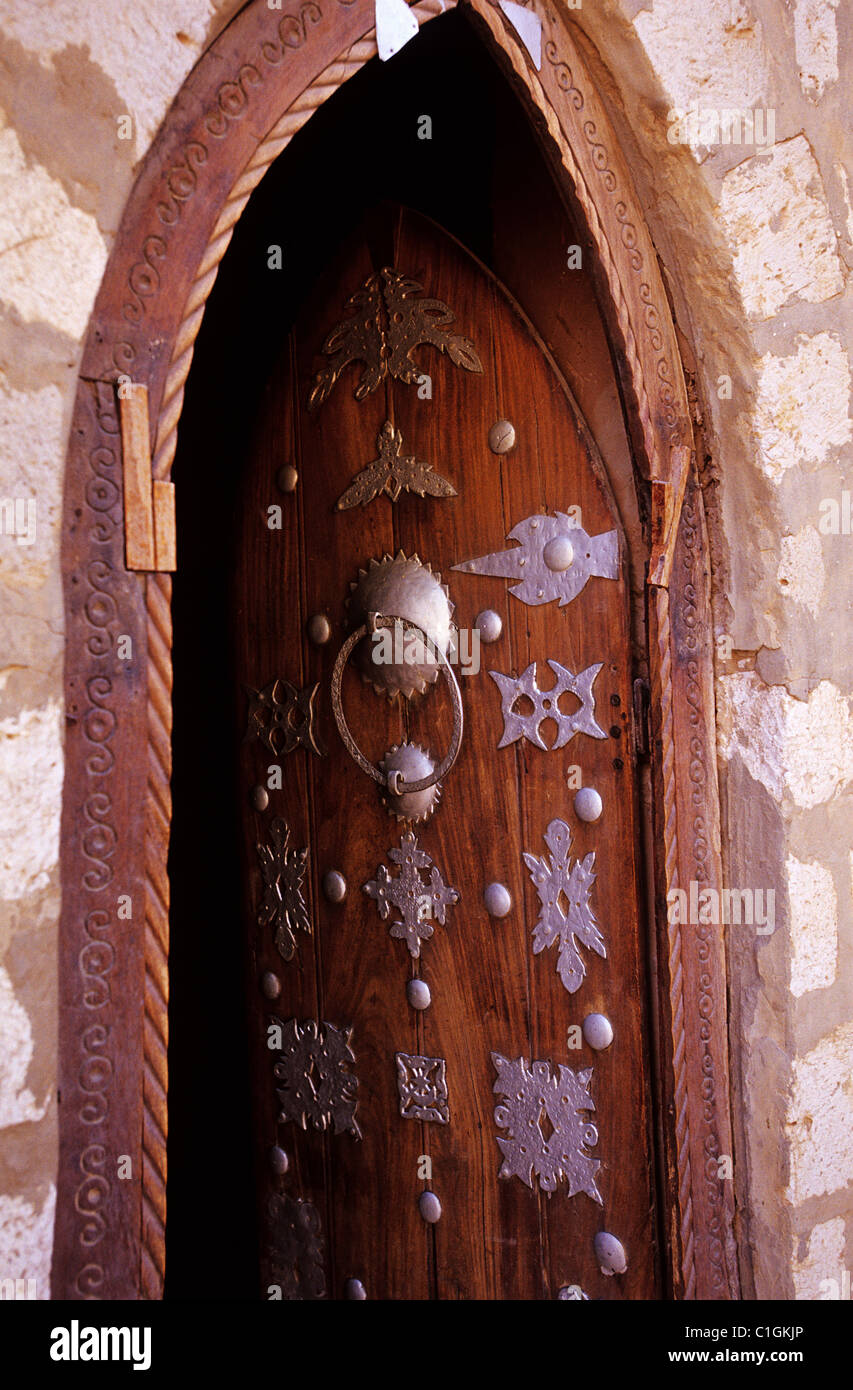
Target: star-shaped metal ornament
column 392, row 473
column 416, row 901
column 282, row 717
column 546, row 705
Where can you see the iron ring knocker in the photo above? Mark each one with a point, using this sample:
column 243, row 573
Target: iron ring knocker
column 394, row 780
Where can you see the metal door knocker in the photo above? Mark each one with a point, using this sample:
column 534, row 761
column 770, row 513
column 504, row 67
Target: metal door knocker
column 393, row 778
column 406, row 611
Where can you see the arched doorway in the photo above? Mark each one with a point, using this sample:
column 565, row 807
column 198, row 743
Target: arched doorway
column 692, row 1051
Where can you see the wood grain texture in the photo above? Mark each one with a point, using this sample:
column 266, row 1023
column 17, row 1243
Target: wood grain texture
column 136, row 468
column 171, row 241
column 165, row 532
column 496, row 1239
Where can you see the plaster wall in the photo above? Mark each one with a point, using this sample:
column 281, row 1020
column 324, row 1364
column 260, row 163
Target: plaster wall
column 755, row 237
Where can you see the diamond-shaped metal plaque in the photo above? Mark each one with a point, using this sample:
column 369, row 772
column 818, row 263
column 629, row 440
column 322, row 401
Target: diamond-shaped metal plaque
column 316, row 1083
column 296, row 1248
column 532, row 1095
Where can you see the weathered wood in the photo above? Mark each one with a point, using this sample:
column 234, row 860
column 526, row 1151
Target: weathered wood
column 165, row 531
column 96, row 1250
column 136, row 469
column 489, row 992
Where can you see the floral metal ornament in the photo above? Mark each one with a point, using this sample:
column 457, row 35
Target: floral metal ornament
column 316, row 1083
column 388, row 323
column 282, row 717
column 416, row 901
column 565, row 914
column 393, row 473
column 283, row 870
column 554, row 559
column 296, row 1248
column 546, row 705
column 532, row 1094
column 422, row 1088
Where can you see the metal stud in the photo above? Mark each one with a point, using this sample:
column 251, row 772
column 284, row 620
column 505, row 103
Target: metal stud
column 573, row 1293
column 610, row 1253
column 319, row 629
column 270, row 984
column 489, row 624
column 429, row 1207
column 588, row 804
column 260, row 798
column 418, row 994
column 558, row 554
column 354, row 1289
column 334, row 886
column 597, row 1031
column 502, row 437
column 287, row 478
column 497, row 899
column 279, row 1161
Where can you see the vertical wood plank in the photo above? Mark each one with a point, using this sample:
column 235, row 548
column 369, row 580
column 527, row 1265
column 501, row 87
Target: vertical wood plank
column 165, row 532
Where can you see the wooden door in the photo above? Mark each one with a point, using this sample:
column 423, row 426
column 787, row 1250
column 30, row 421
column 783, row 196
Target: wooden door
column 534, row 1142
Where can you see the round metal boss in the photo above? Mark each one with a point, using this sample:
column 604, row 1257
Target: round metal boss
column 287, row 478
column 597, row 1031
column 406, row 762
column 497, row 899
column 558, row 554
column 279, row 1161
column 610, row 1253
column 489, row 624
column 588, row 804
column 334, row 886
column 429, row 1207
column 418, row 994
column 354, row 1289
column 411, row 591
column 502, row 437
column 260, row 798
column 270, row 984
column 394, row 779
column 319, row 629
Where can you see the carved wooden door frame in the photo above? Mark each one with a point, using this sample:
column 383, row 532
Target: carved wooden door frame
column 214, row 147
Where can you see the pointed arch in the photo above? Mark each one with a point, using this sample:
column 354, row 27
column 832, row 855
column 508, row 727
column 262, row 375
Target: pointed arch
column 256, row 86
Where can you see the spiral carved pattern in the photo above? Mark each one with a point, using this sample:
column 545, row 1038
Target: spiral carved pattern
column 158, row 603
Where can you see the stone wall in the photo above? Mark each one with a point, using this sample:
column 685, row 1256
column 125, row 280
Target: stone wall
column 733, row 112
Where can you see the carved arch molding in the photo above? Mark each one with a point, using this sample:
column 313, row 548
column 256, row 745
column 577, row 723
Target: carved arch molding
column 218, row 140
